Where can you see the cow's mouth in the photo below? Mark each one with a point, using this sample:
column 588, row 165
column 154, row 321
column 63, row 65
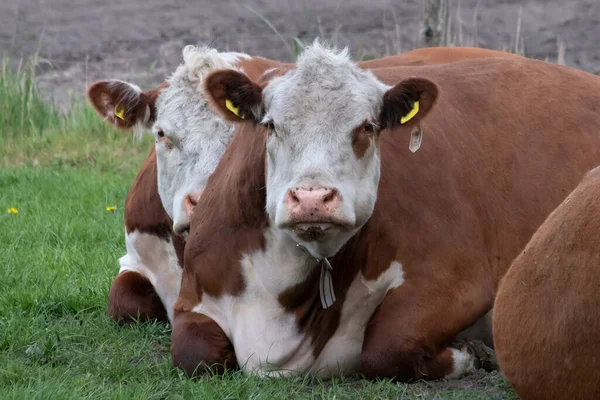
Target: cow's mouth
column 312, row 231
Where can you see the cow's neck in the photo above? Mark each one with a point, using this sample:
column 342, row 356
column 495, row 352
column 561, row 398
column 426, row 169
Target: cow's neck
column 282, row 266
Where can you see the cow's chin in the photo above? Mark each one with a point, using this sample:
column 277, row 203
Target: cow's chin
column 320, row 239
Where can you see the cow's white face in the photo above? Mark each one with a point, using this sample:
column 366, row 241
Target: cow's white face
column 322, row 159
column 324, row 119
column 190, row 137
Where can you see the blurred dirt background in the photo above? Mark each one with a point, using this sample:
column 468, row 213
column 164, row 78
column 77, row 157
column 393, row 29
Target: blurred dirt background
column 79, row 41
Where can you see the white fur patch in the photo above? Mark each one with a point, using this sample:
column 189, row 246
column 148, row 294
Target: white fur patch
column 463, row 363
column 156, row 259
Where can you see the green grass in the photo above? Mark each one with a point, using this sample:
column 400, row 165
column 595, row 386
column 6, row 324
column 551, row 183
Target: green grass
column 59, row 255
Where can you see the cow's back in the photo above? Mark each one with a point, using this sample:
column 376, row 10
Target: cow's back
column 547, row 312
column 493, row 164
column 435, row 55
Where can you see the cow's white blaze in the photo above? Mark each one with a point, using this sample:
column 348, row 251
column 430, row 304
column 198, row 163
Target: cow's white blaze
column 266, row 337
column 314, row 110
column 190, row 136
column 156, row 259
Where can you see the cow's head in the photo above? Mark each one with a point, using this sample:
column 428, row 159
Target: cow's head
column 190, row 137
column 324, row 120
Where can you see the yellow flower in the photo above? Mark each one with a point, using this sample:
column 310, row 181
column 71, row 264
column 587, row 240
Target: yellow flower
column 111, row 208
column 12, row 210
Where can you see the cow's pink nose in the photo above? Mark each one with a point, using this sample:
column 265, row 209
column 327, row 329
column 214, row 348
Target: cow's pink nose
column 312, row 204
column 190, row 202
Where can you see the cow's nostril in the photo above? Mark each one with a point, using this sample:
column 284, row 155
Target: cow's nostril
column 329, row 197
column 294, row 198
column 191, row 200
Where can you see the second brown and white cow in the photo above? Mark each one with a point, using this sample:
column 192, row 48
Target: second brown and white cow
column 417, row 242
column 547, row 312
column 190, row 139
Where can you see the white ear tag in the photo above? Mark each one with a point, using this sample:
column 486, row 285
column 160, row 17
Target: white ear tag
column 326, row 284
column 416, row 137
column 326, row 291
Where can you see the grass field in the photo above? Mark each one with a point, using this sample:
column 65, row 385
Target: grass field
column 59, row 254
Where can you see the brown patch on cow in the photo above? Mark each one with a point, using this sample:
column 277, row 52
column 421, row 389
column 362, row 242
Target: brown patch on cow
column 144, row 211
column 362, row 137
column 133, row 298
column 199, row 345
column 546, row 318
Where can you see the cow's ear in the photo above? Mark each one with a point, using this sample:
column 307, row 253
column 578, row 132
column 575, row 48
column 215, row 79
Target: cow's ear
column 122, row 104
column 235, row 96
column 407, row 103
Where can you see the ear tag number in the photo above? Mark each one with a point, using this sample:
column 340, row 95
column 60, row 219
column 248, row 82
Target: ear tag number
column 233, row 108
column 416, row 137
column 411, row 113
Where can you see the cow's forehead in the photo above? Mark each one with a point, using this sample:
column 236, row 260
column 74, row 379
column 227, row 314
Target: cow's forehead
column 184, row 104
column 326, row 83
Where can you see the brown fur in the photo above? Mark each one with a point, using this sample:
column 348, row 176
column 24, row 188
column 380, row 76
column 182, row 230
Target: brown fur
column 133, row 298
column 495, row 161
column 361, row 140
column 547, row 312
column 211, row 345
column 434, row 56
column 144, row 213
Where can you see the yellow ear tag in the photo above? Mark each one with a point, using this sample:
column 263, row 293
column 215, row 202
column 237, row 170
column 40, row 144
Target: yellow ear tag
column 411, row 114
column 233, row 108
column 119, row 113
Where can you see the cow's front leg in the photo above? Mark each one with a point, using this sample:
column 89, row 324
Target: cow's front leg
column 410, row 334
column 198, row 344
column 133, row 298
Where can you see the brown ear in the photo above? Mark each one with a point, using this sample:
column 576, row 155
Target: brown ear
column 122, row 104
column 399, row 103
column 235, row 96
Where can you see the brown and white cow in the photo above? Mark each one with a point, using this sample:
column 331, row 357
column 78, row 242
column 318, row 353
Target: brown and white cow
column 547, row 312
column 190, row 139
column 148, row 282
column 417, row 241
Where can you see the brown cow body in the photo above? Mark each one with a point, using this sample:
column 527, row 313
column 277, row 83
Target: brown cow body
column 151, row 271
column 504, row 144
column 547, row 312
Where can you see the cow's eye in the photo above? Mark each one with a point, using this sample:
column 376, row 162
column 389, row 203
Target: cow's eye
column 270, row 126
column 160, row 133
column 369, row 127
